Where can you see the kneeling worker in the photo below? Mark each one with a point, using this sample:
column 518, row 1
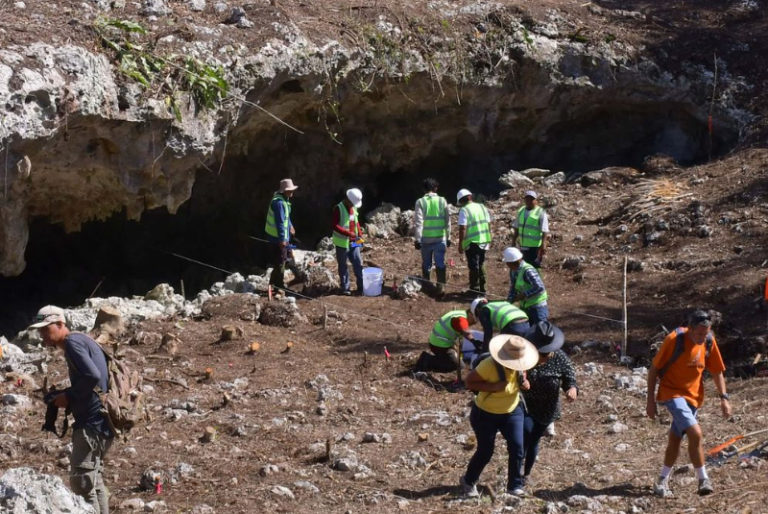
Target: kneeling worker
column 446, row 332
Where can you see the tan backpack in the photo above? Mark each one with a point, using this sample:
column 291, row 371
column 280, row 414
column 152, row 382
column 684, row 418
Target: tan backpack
column 123, row 402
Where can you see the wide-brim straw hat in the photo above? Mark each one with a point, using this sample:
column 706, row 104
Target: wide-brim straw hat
column 287, row 185
column 513, row 352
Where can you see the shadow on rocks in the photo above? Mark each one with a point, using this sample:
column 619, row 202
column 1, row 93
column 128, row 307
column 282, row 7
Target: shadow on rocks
column 625, row 490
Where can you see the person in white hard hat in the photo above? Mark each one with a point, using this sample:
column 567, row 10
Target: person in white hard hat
column 526, row 286
column 531, row 226
column 347, row 238
column 474, row 237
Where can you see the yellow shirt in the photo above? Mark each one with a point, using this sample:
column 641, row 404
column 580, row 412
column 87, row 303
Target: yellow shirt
column 501, row 402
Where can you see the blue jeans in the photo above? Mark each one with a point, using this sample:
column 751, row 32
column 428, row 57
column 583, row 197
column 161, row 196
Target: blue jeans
column 537, row 313
column 353, row 255
column 430, row 251
column 485, row 426
column 518, row 329
column 532, row 432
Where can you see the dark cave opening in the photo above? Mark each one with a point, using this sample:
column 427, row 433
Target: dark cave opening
column 125, row 258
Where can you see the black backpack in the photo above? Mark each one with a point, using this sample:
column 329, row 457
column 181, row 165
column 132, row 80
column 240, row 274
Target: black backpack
column 680, row 346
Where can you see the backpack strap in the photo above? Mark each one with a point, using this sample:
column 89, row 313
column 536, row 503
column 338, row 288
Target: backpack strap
column 680, row 346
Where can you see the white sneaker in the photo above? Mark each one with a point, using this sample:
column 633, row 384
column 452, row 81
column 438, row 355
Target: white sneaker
column 550, row 430
column 661, row 488
column 467, row 490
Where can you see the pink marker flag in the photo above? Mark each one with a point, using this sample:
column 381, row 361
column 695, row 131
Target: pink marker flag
column 386, row 352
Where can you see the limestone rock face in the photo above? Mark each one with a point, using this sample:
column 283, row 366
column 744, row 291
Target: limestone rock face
column 25, row 490
column 81, row 141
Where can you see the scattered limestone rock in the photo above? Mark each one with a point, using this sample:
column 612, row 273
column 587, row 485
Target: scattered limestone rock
column 25, row 490
column 136, row 504
column 409, row 288
column 283, row 491
column 307, row 486
column 155, row 506
column 514, row 179
column 280, row 314
column 618, row 428
column 196, row 5
column 555, row 179
column 149, row 478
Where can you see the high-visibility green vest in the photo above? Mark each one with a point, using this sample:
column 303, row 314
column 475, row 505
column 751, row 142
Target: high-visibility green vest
column 434, row 229
column 503, row 313
column 341, row 240
column 443, row 335
column 271, row 226
column 478, row 225
column 521, row 285
column 529, row 227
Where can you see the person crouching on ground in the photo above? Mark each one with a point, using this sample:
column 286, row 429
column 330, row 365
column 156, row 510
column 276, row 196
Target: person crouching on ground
column 498, row 408
column 448, row 330
column 679, row 366
column 91, row 435
column 541, row 388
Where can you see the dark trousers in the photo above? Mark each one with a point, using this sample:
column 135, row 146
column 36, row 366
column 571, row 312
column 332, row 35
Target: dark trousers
column 442, row 360
column 537, row 313
column 476, row 264
column 485, row 426
column 532, row 432
column 519, row 329
column 278, row 256
column 531, row 256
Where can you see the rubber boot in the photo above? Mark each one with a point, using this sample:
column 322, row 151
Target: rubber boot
column 440, row 281
column 426, row 284
column 481, row 279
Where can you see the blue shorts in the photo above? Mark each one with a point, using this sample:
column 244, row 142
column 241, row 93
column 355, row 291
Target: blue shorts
column 683, row 415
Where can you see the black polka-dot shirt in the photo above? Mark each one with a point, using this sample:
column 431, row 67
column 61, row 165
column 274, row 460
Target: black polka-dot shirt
column 542, row 400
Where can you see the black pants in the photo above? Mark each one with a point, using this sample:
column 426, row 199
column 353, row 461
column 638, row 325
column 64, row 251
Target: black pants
column 476, row 264
column 442, row 360
column 531, row 256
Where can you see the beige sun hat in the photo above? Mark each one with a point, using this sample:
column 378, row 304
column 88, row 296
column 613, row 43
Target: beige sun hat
column 48, row 315
column 287, row 185
column 513, row 352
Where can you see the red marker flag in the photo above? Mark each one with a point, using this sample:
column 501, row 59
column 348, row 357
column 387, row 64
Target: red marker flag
column 386, row 352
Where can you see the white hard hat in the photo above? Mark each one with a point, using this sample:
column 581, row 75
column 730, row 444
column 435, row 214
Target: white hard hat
column 462, row 193
column 355, row 196
column 475, row 303
column 512, row 254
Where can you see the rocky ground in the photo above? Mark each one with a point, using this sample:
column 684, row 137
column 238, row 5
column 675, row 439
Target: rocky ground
column 317, row 416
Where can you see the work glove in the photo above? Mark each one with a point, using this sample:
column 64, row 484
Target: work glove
column 417, row 245
column 448, row 243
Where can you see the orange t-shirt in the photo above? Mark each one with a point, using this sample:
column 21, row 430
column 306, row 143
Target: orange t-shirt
column 683, row 377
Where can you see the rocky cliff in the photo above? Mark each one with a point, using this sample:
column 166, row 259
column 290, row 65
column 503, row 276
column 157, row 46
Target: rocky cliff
column 328, row 95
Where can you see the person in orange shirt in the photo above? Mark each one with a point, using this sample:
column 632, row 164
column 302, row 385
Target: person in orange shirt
column 679, row 366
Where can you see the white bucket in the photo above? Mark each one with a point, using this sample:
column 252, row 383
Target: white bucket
column 372, row 281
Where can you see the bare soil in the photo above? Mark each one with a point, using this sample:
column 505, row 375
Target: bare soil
column 273, row 419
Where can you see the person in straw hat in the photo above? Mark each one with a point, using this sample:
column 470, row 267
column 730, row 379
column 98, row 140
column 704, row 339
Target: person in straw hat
column 498, row 408
column 279, row 230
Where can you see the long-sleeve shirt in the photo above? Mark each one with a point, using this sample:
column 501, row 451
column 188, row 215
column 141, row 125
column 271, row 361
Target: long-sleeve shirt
column 87, row 369
column 418, row 219
column 542, row 400
column 347, row 231
column 530, row 277
column 279, row 212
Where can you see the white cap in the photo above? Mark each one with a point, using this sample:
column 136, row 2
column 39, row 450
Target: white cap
column 355, row 196
column 462, row 193
column 532, row 194
column 287, row 185
column 512, row 254
column 475, row 303
column 48, row 315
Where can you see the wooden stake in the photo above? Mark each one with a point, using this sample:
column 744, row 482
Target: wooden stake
column 325, row 317
column 624, row 318
column 183, row 293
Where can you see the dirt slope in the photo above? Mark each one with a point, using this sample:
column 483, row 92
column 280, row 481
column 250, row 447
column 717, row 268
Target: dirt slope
column 281, row 412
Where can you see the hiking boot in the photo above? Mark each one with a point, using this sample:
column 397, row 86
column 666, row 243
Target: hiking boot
column 550, row 430
column 517, row 491
column 661, row 488
column 467, row 490
column 705, row 487
column 347, row 292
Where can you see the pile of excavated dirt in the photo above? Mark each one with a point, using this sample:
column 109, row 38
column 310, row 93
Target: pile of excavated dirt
column 318, row 418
